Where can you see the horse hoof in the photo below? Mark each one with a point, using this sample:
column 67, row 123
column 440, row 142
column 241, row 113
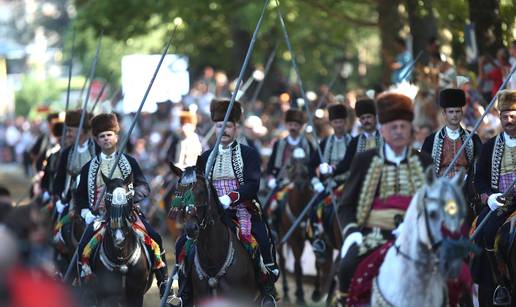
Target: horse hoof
column 301, row 302
column 286, row 299
column 316, row 295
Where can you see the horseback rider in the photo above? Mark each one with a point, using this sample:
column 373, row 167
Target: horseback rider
column 105, row 129
column 52, row 162
column 496, row 170
column 236, row 178
column 381, row 184
column 443, row 145
column 333, row 148
column 283, row 150
column 369, row 138
column 69, row 169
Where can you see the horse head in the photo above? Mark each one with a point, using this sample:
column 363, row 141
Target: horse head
column 440, row 214
column 192, row 200
column 119, row 205
column 297, row 169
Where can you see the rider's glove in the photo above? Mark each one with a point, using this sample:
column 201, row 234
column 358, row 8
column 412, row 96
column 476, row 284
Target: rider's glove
column 317, row 185
column 493, row 203
column 225, row 201
column 272, row 184
column 88, row 216
column 325, row 169
column 60, row 206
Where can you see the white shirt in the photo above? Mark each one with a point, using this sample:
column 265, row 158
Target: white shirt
column 103, row 156
column 452, row 134
column 368, row 135
column 83, row 147
column 391, row 156
column 511, row 142
column 292, row 141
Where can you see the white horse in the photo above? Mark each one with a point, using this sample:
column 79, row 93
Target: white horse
column 416, row 267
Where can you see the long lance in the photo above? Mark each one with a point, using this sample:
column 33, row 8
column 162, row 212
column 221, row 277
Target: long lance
column 124, row 144
column 102, row 89
column 83, row 88
column 211, row 158
column 68, row 89
column 85, row 104
column 299, row 219
column 268, row 66
column 330, row 86
column 310, row 122
column 470, row 136
column 411, row 66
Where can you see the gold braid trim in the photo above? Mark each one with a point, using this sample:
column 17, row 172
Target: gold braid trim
column 365, row 199
column 416, row 179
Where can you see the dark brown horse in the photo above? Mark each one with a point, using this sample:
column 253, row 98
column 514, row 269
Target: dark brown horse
column 298, row 196
column 71, row 233
column 325, row 265
column 122, row 265
column 220, row 265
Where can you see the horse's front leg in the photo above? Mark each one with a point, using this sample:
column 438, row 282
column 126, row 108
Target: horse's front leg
column 297, row 249
column 283, row 275
column 316, row 295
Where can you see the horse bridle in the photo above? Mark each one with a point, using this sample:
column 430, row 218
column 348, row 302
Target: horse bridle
column 191, row 208
column 433, row 245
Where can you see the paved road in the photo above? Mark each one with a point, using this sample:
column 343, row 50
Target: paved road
column 11, row 176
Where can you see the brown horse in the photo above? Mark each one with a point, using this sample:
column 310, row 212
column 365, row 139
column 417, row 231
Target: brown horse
column 325, row 265
column 71, row 234
column 298, row 196
column 220, row 266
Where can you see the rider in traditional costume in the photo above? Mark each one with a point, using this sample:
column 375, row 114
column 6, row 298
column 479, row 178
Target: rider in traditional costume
column 283, row 150
column 52, row 162
column 333, row 148
column 496, row 170
column 380, row 187
column 236, row 178
column 369, row 138
column 105, row 129
column 68, row 169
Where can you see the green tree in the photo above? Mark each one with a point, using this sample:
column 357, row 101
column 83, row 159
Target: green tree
column 34, row 93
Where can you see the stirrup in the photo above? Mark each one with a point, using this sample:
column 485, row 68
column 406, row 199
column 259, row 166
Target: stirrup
column 501, row 296
column 319, row 246
column 268, row 301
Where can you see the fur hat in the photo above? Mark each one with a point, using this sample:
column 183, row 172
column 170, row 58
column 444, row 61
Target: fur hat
column 187, row 117
column 452, row 98
column 73, row 119
column 507, row 100
column 365, row 106
column 52, row 116
column 104, row 122
column 394, row 106
column 295, row 115
column 218, row 108
column 57, row 129
column 337, row 111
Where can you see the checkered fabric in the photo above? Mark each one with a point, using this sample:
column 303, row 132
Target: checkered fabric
column 505, row 182
column 224, row 186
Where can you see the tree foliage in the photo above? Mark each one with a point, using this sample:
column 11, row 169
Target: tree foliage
column 217, row 32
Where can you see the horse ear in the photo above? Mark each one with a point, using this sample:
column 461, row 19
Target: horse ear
column 430, row 175
column 104, row 178
column 199, row 165
column 176, row 170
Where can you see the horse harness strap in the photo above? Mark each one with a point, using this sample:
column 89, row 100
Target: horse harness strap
column 214, row 280
column 122, row 268
column 415, row 261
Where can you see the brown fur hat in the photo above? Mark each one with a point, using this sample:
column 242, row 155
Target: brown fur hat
column 57, row 129
column 218, row 108
column 337, row 111
column 452, row 98
column 365, row 106
column 73, row 119
column 295, row 115
column 394, row 106
column 104, row 122
column 507, row 100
